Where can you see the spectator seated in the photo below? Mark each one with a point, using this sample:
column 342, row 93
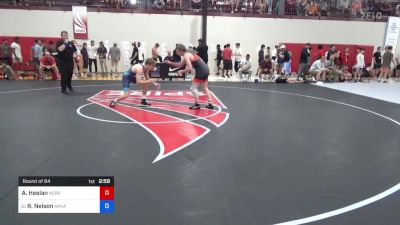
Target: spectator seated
column 6, row 72
column 245, row 69
column 247, row 72
column 48, row 63
column 265, row 68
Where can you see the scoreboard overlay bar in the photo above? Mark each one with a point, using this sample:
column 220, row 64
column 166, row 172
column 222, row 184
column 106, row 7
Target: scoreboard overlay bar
column 62, row 194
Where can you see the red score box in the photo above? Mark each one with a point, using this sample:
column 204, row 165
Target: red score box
column 106, row 193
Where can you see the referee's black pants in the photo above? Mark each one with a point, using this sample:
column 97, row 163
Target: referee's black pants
column 66, row 70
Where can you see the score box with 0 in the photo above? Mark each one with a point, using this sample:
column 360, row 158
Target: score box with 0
column 66, row 194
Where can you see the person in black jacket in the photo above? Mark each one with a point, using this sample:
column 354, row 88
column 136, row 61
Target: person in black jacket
column 304, row 60
column 85, row 57
column 135, row 54
column 260, row 57
column 66, row 50
column 202, row 50
column 219, row 58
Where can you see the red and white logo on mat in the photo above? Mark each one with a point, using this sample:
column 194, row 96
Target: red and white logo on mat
column 168, row 119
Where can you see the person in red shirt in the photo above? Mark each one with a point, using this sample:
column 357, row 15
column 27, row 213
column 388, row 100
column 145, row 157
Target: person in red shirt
column 227, row 57
column 48, row 63
column 345, row 59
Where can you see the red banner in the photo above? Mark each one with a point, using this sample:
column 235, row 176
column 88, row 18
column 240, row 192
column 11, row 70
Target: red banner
column 80, row 22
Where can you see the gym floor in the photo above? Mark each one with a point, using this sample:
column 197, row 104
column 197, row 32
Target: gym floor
column 282, row 153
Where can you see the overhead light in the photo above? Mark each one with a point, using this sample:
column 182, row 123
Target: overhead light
column 133, row 2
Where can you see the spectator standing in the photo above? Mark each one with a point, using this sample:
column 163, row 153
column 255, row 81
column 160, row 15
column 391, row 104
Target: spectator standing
column 141, row 52
column 260, row 57
column 332, row 50
column 16, row 50
column 202, row 50
column 283, row 57
column 219, row 58
column 287, row 65
column 280, row 7
column 269, row 5
column 338, row 59
column 102, row 52
column 268, row 52
column 154, row 53
column 345, row 59
column 85, row 57
column 304, row 61
column 227, row 57
column 5, row 52
column 45, row 47
column 177, row 58
column 320, row 51
column 92, row 52
column 310, row 58
column 38, row 52
column 274, row 57
column 33, row 52
column 52, row 48
column 238, row 57
column 376, row 62
column 358, row 50
column 135, row 54
column 66, row 50
column 360, row 65
column 397, row 65
column 115, row 56
column 387, row 60
column 78, row 60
